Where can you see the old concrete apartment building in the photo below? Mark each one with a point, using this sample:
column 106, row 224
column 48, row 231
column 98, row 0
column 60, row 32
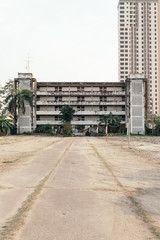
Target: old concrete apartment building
column 139, row 45
column 91, row 101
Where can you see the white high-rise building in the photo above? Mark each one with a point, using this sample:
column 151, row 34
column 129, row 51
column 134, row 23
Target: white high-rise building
column 139, row 45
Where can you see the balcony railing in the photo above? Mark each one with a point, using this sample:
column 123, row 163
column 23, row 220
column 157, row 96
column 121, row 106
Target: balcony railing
column 83, row 103
column 87, row 122
column 84, row 93
column 81, row 113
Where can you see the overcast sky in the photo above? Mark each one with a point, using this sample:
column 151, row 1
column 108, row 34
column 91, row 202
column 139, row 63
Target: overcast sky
column 67, row 40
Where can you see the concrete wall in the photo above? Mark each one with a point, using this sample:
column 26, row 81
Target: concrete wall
column 26, row 122
column 137, row 103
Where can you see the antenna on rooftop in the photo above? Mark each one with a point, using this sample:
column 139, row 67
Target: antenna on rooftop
column 28, row 64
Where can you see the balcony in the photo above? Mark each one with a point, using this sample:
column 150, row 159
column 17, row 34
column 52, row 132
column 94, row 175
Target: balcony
column 44, row 122
column 84, row 103
column 84, row 93
column 81, row 113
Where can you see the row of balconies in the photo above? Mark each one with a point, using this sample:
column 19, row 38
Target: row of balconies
column 83, row 103
column 84, row 93
column 77, row 113
column 90, row 122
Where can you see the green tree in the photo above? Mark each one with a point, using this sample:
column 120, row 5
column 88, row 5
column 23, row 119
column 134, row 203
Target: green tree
column 15, row 101
column 6, row 123
column 5, row 91
column 112, row 121
column 157, row 126
column 67, row 129
column 67, row 113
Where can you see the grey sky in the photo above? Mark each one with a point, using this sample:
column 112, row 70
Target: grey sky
column 67, row 40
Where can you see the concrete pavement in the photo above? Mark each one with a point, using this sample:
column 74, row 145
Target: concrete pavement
column 78, row 192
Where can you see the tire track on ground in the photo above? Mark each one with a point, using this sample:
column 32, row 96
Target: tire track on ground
column 8, row 163
column 18, row 219
column 135, row 204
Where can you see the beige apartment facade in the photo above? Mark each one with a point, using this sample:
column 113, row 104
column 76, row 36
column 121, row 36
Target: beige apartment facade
column 139, row 48
column 90, row 100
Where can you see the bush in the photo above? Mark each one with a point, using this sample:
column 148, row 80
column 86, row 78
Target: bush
column 67, row 129
column 101, row 132
column 87, row 133
column 44, row 129
column 80, row 128
column 157, row 126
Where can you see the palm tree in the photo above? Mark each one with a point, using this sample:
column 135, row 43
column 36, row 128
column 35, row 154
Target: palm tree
column 16, row 101
column 6, row 124
column 110, row 120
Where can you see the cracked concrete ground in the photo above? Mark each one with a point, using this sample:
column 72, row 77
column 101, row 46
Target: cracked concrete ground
column 79, row 188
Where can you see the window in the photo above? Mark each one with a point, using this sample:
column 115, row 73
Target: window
column 57, row 118
column 103, row 89
column 58, row 108
column 58, row 99
column 103, row 99
column 58, row 89
column 80, row 89
column 80, row 99
column 80, row 108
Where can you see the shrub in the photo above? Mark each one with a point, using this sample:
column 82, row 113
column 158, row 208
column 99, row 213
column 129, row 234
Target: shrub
column 44, row 129
column 67, row 129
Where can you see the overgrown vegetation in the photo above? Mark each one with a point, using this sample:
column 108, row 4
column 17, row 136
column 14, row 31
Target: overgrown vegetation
column 112, row 121
column 67, row 113
column 13, row 100
column 5, row 91
column 80, row 128
column 44, row 129
column 157, row 126
column 67, row 129
column 6, row 124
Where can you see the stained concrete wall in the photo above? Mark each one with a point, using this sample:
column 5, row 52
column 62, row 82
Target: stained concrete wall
column 26, row 122
column 136, row 103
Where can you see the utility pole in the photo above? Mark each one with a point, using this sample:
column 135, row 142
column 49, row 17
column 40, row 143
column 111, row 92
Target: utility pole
column 152, row 118
column 97, row 130
column 129, row 131
column 28, row 64
column 106, row 131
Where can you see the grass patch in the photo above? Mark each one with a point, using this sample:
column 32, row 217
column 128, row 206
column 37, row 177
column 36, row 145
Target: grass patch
column 142, row 213
column 135, row 204
column 8, row 162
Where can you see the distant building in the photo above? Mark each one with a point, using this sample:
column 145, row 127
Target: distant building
column 91, row 101
column 139, row 45
column 0, row 99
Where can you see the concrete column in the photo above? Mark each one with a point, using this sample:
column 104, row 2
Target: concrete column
column 135, row 103
column 26, row 122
